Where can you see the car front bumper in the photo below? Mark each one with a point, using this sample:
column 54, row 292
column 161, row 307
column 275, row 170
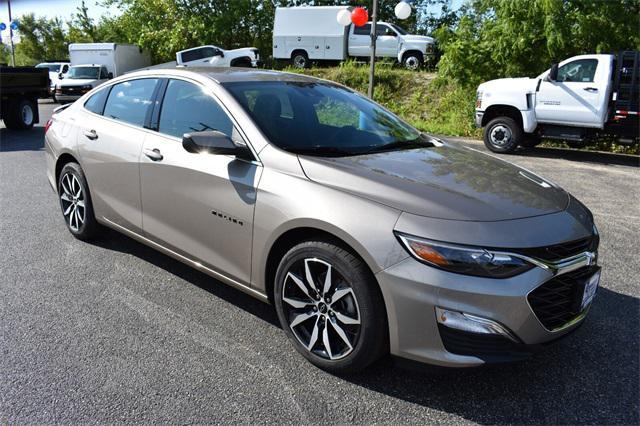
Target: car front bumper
column 478, row 118
column 415, row 294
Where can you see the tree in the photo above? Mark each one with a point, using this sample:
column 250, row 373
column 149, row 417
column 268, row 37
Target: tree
column 508, row 38
column 40, row 39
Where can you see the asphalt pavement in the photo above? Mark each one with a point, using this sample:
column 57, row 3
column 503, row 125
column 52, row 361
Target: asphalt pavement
column 114, row 332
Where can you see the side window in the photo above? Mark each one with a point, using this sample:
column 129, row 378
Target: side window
column 130, row 101
column 383, row 30
column 186, row 108
column 96, row 102
column 195, row 54
column 104, row 73
column 363, row 30
column 581, row 70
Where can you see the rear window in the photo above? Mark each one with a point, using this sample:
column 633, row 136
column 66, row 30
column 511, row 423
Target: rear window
column 95, row 103
column 130, row 101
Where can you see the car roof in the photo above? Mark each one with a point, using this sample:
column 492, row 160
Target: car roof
column 228, row 75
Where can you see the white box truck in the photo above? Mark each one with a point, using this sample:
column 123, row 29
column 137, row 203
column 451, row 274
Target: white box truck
column 312, row 33
column 579, row 100
column 95, row 63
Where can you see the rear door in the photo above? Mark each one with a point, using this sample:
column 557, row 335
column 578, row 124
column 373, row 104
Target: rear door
column 578, row 97
column 110, row 142
column 199, row 205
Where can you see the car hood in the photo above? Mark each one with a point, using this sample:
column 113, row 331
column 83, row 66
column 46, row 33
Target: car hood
column 410, row 38
column 508, row 84
column 444, row 182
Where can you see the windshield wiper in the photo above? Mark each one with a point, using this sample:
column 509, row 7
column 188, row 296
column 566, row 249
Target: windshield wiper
column 324, row 151
column 419, row 142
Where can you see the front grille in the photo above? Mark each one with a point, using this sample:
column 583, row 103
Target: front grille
column 72, row 90
column 558, row 301
column 488, row 347
column 562, row 251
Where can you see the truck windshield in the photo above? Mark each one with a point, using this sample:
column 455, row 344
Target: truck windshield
column 400, row 31
column 84, row 72
column 322, row 119
column 51, row 67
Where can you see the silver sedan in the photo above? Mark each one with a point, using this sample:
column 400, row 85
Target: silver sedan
column 367, row 236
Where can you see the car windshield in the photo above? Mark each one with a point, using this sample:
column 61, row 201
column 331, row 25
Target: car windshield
column 51, row 67
column 400, row 31
column 83, row 72
column 322, row 119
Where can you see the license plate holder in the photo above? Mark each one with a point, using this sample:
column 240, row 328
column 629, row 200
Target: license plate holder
column 590, row 290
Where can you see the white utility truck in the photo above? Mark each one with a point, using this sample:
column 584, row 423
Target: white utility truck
column 95, row 63
column 579, row 100
column 55, row 69
column 312, row 33
column 213, row 56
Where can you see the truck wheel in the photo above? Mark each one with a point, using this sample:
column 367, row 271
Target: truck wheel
column 502, row 135
column 412, row 61
column 300, row 60
column 21, row 115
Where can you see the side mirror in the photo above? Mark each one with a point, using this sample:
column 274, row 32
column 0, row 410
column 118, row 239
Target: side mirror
column 553, row 73
column 110, row 75
column 214, row 142
column 220, row 53
column 60, row 75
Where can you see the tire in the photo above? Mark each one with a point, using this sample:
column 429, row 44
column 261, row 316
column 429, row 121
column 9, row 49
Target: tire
column 300, row 60
column 502, row 135
column 354, row 323
column 243, row 63
column 75, row 202
column 21, row 115
column 412, row 61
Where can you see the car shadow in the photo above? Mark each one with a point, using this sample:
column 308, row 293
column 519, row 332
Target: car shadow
column 115, row 241
column 21, row 140
column 591, row 376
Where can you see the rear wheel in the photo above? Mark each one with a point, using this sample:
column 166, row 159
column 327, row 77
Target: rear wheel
column 21, row 115
column 502, row 135
column 300, row 60
column 75, row 202
column 329, row 305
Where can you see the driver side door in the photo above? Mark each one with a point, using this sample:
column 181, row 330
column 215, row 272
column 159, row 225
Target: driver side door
column 197, row 204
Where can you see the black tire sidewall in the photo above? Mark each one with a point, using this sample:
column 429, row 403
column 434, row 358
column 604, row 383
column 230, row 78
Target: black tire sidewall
column 301, row 55
column 516, row 135
column 372, row 340
column 89, row 228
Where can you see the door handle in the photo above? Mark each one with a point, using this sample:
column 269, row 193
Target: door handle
column 91, row 134
column 590, row 89
column 153, row 154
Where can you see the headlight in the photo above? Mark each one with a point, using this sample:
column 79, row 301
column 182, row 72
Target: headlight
column 463, row 259
column 87, row 87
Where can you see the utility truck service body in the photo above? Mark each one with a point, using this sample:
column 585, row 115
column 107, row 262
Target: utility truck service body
column 311, row 33
column 94, row 63
column 578, row 100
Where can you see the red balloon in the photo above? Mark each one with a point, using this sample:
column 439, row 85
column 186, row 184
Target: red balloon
column 359, row 16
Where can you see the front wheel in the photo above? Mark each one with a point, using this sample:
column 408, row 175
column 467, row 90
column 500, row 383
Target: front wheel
column 412, row 61
column 300, row 60
column 502, row 135
column 329, row 305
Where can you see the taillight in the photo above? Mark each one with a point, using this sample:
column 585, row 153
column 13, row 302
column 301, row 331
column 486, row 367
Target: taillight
column 46, row 126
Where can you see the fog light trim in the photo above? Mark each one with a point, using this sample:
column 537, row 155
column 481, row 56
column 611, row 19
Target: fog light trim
column 472, row 323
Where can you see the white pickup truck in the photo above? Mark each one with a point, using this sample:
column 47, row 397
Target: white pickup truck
column 578, row 100
column 213, row 56
column 312, row 33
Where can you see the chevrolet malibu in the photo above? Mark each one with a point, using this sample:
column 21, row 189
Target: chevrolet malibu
column 367, row 236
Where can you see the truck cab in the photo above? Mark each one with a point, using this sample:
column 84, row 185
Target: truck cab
column 576, row 101
column 79, row 80
column 214, row 56
column 392, row 42
column 55, row 68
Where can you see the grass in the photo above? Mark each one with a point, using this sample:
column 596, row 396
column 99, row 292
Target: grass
column 428, row 102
